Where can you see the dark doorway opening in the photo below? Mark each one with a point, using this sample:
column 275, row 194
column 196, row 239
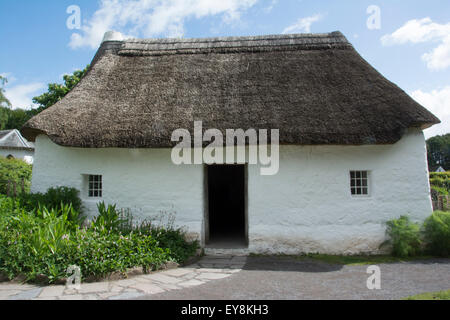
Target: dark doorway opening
column 227, row 206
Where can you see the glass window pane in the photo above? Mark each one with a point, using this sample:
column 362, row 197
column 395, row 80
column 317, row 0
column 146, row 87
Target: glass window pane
column 364, row 174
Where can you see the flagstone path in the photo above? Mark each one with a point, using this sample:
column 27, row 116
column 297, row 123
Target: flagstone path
column 207, row 269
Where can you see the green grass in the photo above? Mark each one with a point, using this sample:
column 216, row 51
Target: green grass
column 349, row 260
column 360, row 259
column 441, row 295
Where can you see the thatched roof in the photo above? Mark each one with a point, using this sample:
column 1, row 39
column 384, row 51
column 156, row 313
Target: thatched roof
column 314, row 88
column 13, row 140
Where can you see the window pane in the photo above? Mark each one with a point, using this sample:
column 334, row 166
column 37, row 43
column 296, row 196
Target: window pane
column 364, row 183
column 352, row 174
column 358, row 191
column 365, row 191
column 364, row 174
column 358, row 174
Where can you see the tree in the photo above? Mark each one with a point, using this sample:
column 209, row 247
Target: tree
column 16, row 118
column 438, row 152
column 3, row 100
column 58, row 91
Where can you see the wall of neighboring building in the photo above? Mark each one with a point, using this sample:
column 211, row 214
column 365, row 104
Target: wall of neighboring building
column 18, row 154
column 306, row 207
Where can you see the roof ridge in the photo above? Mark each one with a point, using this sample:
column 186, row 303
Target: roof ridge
column 292, row 36
column 302, row 41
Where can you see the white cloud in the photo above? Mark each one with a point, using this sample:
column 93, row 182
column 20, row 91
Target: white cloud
column 150, row 18
column 438, row 102
column 303, row 25
column 421, row 31
column 21, row 96
column 269, row 8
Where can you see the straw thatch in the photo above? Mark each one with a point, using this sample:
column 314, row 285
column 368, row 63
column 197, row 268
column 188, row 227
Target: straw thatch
column 314, row 88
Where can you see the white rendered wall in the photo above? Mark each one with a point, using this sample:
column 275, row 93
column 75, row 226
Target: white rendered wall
column 306, row 207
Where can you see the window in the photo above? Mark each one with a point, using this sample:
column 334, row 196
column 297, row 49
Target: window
column 359, row 183
column 95, row 186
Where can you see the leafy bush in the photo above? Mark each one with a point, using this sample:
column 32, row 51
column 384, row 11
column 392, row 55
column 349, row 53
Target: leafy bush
column 46, row 241
column 52, row 199
column 14, row 170
column 440, row 181
column 109, row 219
column 436, row 230
column 404, row 237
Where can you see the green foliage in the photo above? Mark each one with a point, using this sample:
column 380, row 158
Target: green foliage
column 47, row 241
column 436, row 230
column 57, row 91
column 14, row 170
column 109, row 219
column 3, row 100
column 440, row 181
column 440, row 295
column 52, row 199
column 404, row 237
column 438, row 152
column 16, row 118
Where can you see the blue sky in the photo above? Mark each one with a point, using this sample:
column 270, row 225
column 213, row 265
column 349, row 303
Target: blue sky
column 410, row 43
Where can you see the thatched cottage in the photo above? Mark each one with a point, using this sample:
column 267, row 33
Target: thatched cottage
column 352, row 152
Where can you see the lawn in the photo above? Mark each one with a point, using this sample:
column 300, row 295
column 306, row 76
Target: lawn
column 361, row 259
column 440, row 295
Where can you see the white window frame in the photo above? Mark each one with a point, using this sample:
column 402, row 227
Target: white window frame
column 360, row 180
column 93, row 186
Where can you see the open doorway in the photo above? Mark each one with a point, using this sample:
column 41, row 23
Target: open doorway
column 226, row 206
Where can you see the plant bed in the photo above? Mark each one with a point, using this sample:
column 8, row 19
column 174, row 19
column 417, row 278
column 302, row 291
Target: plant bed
column 40, row 245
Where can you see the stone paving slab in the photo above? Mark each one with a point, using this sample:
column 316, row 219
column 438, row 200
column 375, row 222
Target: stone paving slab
column 206, row 269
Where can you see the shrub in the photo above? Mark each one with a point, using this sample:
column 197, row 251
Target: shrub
column 52, row 199
column 14, row 170
column 109, row 219
column 404, row 237
column 47, row 241
column 436, row 230
column 440, row 181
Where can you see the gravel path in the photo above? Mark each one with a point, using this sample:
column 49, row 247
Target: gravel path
column 281, row 278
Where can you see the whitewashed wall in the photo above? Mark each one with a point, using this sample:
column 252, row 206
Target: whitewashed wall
column 306, row 207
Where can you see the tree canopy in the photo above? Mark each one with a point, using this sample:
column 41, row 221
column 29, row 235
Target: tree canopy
column 57, row 91
column 438, row 152
column 16, row 118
